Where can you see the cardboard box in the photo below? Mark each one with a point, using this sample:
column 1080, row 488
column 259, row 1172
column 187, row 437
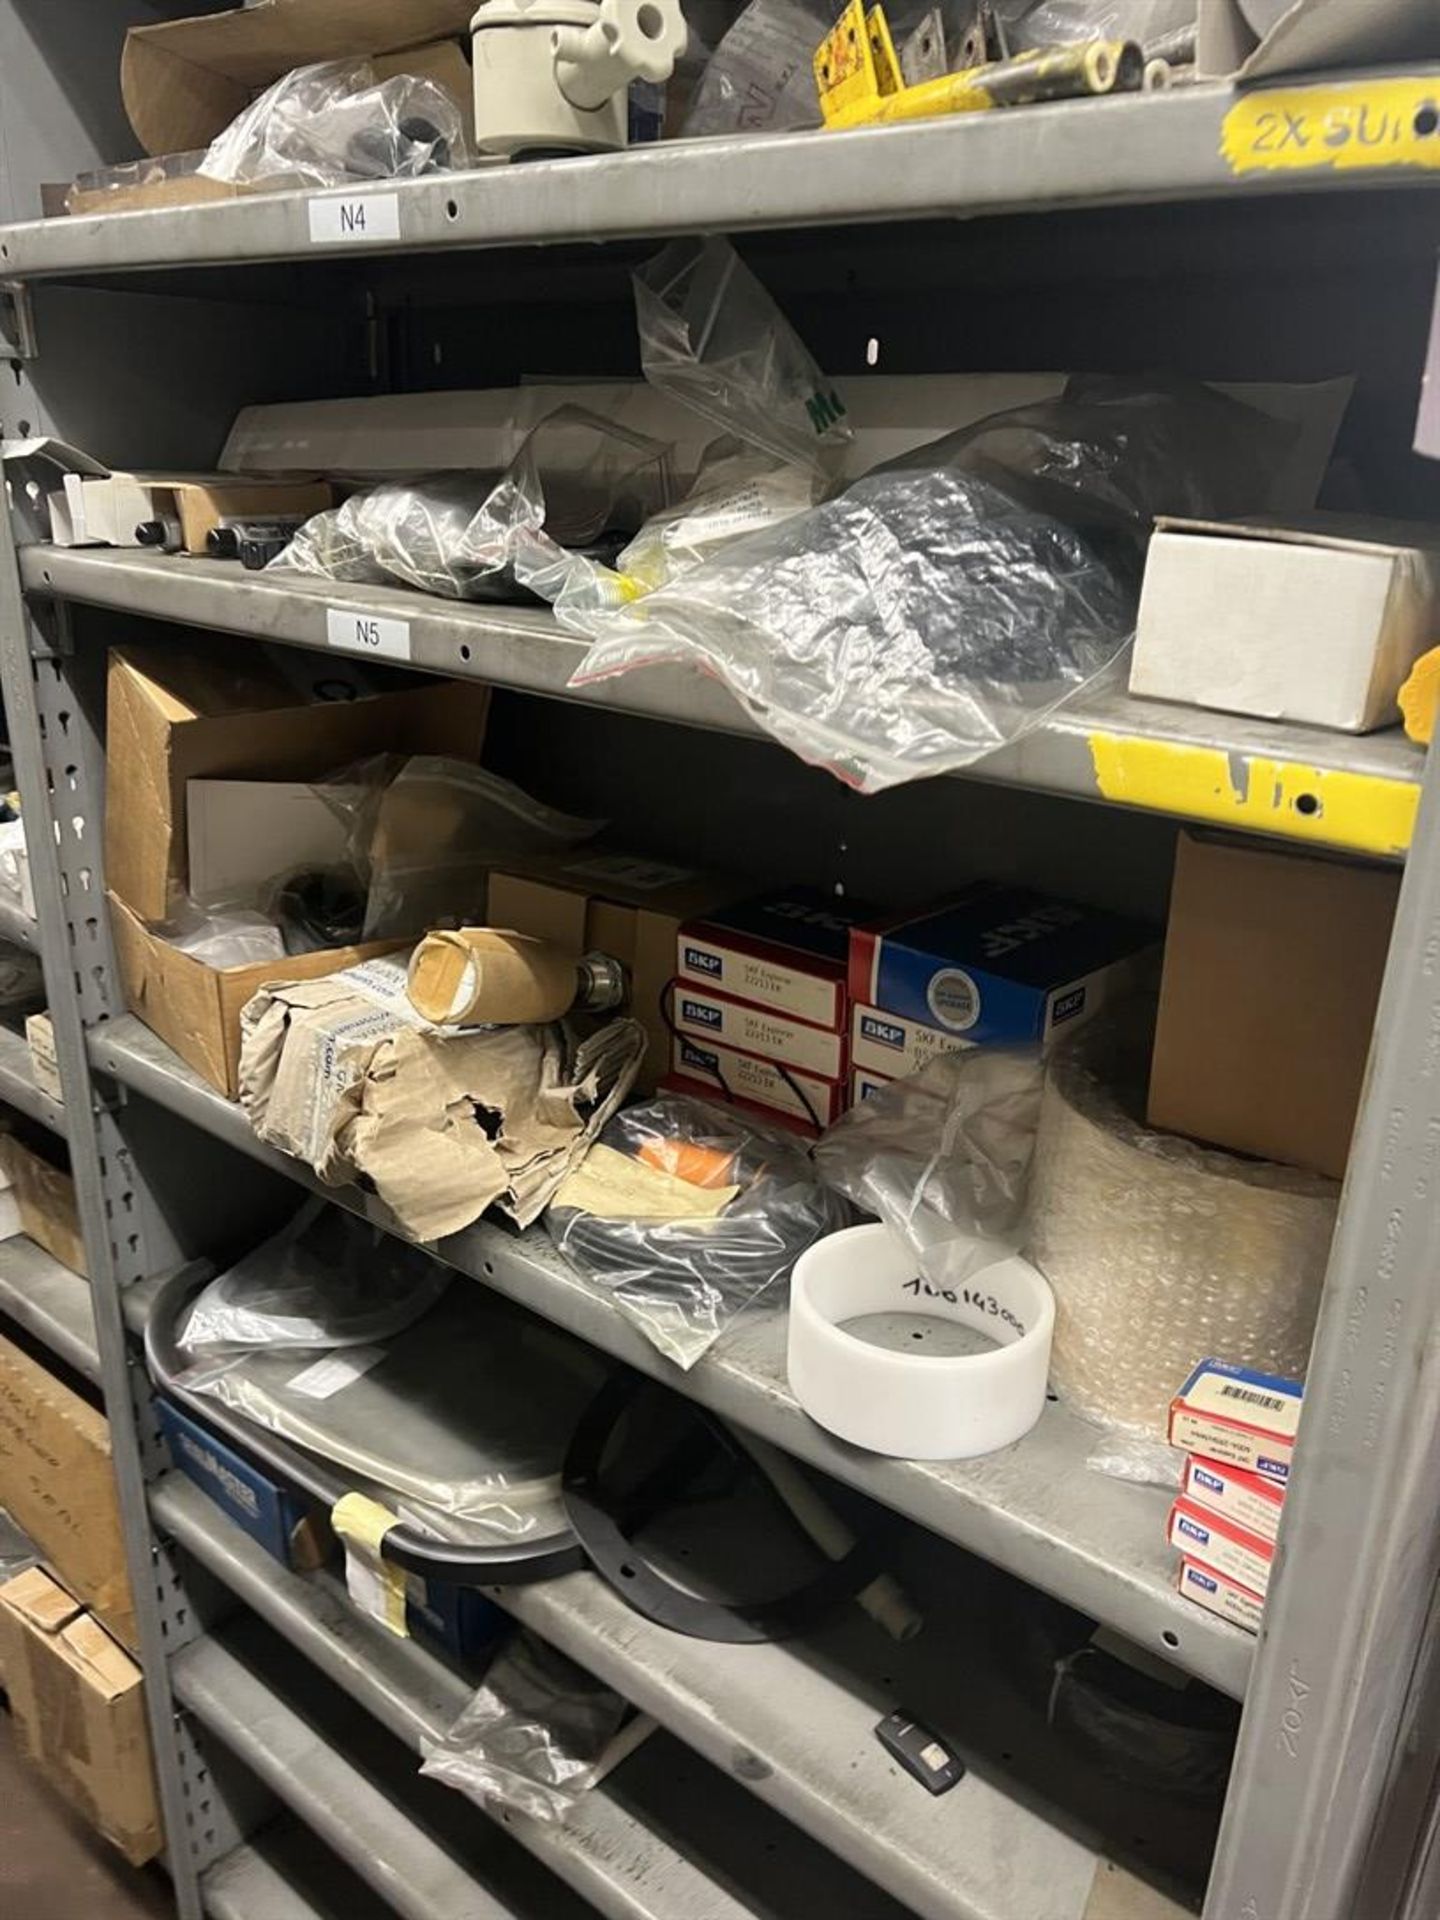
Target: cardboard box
column 591, row 899
column 1221, row 1545
column 1319, row 621
column 56, row 1482
column 79, row 1705
column 181, row 715
column 1001, row 965
column 722, row 1071
column 889, row 1047
column 1217, row 1595
column 45, row 1196
column 715, row 1018
column 44, row 1061
column 196, row 1008
column 786, row 950
column 107, row 510
column 184, row 81
column 1273, row 965
column 1249, row 1499
column 1238, row 1417
column 241, row 833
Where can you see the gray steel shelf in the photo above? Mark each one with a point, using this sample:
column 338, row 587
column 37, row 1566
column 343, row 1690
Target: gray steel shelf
column 1302, row 783
column 1155, row 147
column 50, row 1302
column 1036, row 1509
column 18, row 928
column 17, row 1083
column 283, row 1873
column 613, row 1849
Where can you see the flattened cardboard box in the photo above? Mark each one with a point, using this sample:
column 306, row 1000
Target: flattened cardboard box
column 79, row 1706
column 58, row 1485
column 45, row 1196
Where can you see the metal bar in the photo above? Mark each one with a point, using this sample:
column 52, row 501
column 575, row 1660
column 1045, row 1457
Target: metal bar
column 18, row 927
column 284, row 1873
column 17, row 1083
column 1154, row 147
column 50, row 1302
column 1359, row 1551
column 1036, row 1510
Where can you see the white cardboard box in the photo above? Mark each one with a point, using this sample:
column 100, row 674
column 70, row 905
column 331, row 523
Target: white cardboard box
column 243, row 835
column 1318, row 621
column 44, row 1063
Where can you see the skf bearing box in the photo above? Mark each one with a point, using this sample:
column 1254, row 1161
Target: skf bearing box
column 1238, row 1417
column 1001, row 966
column 1249, row 1499
column 863, row 1084
column 761, row 1116
column 884, row 1043
column 786, row 951
column 783, row 1090
column 1216, row 1594
column 1221, row 1545
column 721, row 1021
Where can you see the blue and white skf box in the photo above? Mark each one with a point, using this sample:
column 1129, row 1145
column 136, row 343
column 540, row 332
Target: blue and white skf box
column 459, row 1620
column 883, row 1043
column 1002, row 966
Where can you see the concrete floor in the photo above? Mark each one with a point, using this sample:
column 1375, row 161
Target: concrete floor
column 52, row 1866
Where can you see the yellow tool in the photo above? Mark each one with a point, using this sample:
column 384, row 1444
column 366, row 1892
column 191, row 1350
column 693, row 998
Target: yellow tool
column 858, row 76
column 1420, row 697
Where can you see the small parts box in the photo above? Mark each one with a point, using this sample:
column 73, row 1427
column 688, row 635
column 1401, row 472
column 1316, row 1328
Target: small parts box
column 1238, row 1417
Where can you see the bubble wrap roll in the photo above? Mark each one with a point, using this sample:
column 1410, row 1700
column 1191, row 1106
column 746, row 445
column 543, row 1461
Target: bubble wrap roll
column 1162, row 1253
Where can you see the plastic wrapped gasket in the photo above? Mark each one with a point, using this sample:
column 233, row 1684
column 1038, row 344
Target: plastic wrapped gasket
column 683, row 1281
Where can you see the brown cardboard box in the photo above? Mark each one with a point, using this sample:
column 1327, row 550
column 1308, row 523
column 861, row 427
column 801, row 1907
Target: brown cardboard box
column 594, row 900
column 79, row 1705
column 184, row 81
column 178, row 715
column 196, row 1008
column 1273, row 964
column 57, row 1484
column 45, row 1195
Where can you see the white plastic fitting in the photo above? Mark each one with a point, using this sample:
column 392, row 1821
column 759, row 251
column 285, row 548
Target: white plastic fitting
column 551, row 76
column 628, row 40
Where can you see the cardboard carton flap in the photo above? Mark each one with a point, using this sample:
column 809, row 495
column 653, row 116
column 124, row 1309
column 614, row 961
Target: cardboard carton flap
column 1340, row 532
column 105, row 1664
column 42, row 1603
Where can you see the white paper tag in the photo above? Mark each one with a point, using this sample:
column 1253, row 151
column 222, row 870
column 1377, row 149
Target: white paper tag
column 340, row 220
column 367, row 633
column 336, row 1370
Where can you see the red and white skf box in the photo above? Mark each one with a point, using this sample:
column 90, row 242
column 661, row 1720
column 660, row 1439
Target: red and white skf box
column 1249, row 1499
column 782, row 1089
column 1221, row 1545
column 786, row 951
column 715, row 1018
column 750, row 1109
column 1235, row 1415
column 1216, row 1594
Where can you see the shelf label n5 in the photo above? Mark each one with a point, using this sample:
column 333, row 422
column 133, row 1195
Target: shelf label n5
column 367, row 633
column 1339, row 129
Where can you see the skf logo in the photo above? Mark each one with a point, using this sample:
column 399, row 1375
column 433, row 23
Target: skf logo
column 1067, row 1006
column 882, row 1032
column 1027, row 928
column 1208, row 1480
column 700, row 1014
column 1196, row 1533
column 698, row 961
column 697, row 1057
column 1202, row 1580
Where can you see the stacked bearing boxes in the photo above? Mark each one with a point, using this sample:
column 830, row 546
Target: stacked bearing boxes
column 1238, row 1428
column 760, row 1007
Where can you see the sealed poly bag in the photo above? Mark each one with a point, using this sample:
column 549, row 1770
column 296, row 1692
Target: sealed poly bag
column 713, row 339
column 946, row 604
column 324, row 1280
column 683, row 1279
column 539, row 1733
column 1054, row 23
column 326, row 125
column 761, row 77
column 943, row 1157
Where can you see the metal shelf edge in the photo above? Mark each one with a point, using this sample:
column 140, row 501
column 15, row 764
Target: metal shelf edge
column 51, row 1302
column 17, row 1084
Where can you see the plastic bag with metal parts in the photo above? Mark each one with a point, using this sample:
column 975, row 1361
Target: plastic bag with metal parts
column 329, row 124
column 945, row 604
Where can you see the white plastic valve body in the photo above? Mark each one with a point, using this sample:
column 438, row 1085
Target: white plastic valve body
column 552, row 75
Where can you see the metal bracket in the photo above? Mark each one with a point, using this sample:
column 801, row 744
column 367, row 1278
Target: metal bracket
column 17, row 322
column 52, row 635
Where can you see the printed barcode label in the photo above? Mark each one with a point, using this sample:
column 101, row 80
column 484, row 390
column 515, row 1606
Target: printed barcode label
column 1271, row 1402
column 337, row 221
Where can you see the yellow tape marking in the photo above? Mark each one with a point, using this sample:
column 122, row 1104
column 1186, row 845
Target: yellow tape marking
column 1361, row 811
column 1369, row 123
column 374, row 1583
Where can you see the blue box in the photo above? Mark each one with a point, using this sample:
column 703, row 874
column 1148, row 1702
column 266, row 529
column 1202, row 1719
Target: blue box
column 1002, row 965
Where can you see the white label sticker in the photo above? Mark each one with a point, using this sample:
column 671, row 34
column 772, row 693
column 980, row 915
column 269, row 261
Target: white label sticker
column 367, row 633
column 335, row 1371
column 339, row 221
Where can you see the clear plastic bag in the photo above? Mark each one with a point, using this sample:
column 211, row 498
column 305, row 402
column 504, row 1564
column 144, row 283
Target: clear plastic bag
column 946, row 604
column 325, row 125
column 761, row 77
column 17, row 1550
column 713, row 339
column 943, row 1158
column 1056, row 23
column 324, row 1280
column 486, row 536
column 683, row 1281
column 227, row 936
column 537, row 1735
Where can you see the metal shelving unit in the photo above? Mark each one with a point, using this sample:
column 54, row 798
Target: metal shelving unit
column 763, row 1795
column 17, row 1083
